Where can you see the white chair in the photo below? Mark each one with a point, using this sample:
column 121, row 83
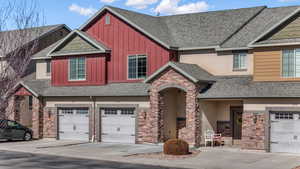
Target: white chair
column 209, row 137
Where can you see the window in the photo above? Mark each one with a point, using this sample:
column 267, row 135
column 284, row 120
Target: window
column 284, row 115
column 291, row 63
column 30, row 102
column 107, row 19
column 137, row 66
column 77, row 69
column 48, row 69
column 239, row 61
column 127, row 111
column 110, row 111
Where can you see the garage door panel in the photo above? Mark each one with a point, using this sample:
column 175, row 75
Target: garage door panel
column 285, row 132
column 74, row 124
column 118, row 125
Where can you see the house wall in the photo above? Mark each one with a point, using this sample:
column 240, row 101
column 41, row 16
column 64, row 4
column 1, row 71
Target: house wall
column 268, row 63
column 41, row 70
column 213, row 111
column 51, row 104
column 124, row 40
column 95, row 71
column 217, row 63
column 261, row 104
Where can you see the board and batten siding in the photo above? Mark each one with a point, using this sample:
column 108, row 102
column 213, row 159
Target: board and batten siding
column 95, row 71
column 268, row 64
column 124, row 40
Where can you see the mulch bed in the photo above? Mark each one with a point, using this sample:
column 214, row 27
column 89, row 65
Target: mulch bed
column 297, row 167
column 162, row 156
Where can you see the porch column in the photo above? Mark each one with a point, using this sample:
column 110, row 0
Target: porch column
column 37, row 118
column 191, row 133
column 11, row 110
column 153, row 118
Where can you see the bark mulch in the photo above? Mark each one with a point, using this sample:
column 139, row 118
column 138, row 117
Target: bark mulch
column 162, row 156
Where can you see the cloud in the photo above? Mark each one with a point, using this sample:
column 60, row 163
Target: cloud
column 170, row 7
column 81, row 10
column 107, row 1
column 140, row 4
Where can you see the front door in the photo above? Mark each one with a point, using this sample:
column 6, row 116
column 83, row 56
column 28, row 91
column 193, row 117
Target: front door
column 237, row 118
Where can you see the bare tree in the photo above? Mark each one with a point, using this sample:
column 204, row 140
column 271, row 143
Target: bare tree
column 17, row 46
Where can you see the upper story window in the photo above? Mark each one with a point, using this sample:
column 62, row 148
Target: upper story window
column 291, row 63
column 239, row 61
column 77, row 69
column 137, row 66
column 48, row 67
column 107, row 19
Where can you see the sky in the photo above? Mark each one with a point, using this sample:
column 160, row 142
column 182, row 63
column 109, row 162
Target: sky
column 74, row 13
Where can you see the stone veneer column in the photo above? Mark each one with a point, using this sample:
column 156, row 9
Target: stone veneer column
column 253, row 131
column 37, row 118
column 154, row 122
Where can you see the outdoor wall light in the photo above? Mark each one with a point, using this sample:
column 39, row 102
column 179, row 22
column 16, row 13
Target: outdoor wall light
column 255, row 119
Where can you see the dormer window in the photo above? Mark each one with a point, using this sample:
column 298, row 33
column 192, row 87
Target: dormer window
column 77, row 69
column 107, row 19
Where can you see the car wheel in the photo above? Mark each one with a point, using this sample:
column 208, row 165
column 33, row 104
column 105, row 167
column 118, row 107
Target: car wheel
column 27, row 137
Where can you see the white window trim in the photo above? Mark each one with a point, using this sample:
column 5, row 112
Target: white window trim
column 240, row 68
column 137, row 55
column 281, row 59
column 69, row 71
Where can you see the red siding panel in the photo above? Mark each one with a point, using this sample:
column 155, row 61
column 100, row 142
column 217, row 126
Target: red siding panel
column 22, row 92
column 95, row 71
column 125, row 40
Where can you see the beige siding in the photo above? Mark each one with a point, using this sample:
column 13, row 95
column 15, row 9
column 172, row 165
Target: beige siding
column 141, row 101
column 262, row 104
column 76, row 44
column 267, row 64
column 289, row 30
column 217, row 63
column 41, row 70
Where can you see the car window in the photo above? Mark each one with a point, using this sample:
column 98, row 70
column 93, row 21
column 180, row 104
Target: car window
column 12, row 124
column 3, row 124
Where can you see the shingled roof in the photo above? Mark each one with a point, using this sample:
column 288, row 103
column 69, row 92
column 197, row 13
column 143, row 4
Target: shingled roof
column 35, row 33
column 231, row 87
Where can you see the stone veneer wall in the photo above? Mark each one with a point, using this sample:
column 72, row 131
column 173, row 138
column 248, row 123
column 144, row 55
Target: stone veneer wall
column 37, row 118
column 253, row 133
column 154, row 123
column 50, row 122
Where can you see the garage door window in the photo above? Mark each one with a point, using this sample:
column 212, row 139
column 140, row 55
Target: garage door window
column 110, row 111
column 127, row 111
column 284, row 116
column 74, row 111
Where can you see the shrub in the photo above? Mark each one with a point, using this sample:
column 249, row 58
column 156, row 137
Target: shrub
column 176, row 147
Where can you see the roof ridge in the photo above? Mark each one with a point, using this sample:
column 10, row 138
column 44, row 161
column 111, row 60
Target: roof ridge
column 242, row 26
column 44, row 26
column 216, row 11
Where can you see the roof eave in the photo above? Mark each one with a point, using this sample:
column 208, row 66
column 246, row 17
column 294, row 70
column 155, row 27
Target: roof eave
column 70, row 35
column 277, row 44
column 27, row 88
column 231, row 49
column 197, row 48
column 77, row 53
column 170, row 64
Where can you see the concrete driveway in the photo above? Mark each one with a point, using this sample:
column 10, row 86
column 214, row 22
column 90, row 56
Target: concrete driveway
column 208, row 159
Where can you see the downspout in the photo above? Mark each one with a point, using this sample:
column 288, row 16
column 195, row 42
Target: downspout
column 94, row 119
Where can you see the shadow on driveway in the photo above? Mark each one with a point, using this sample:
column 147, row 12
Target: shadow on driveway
column 16, row 160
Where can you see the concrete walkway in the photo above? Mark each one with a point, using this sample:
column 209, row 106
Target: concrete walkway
column 209, row 158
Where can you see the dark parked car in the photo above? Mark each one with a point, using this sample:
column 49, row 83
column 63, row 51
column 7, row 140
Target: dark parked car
column 11, row 130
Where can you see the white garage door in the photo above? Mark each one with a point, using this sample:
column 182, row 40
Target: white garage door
column 118, row 125
column 74, row 124
column 285, row 132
